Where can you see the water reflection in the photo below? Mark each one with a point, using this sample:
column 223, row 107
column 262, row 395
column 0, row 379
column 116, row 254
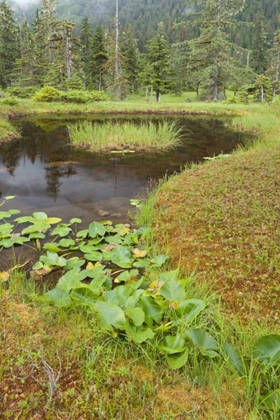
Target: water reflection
column 44, row 173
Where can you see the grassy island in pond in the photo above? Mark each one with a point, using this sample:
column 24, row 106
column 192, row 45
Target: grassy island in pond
column 110, row 137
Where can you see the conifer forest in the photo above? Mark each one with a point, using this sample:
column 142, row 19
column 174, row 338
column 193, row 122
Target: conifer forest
column 125, row 47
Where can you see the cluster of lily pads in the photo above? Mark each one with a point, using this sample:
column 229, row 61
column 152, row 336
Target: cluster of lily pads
column 107, row 269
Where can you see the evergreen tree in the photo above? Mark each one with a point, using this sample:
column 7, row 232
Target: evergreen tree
column 9, row 44
column 24, row 68
column 85, row 39
column 213, row 57
column 157, row 72
column 259, row 56
column 98, row 58
column 273, row 71
column 131, row 57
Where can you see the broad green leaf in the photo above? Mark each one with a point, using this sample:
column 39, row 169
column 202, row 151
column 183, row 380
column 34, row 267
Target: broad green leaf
column 7, row 214
column 234, row 356
column 94, row 256
column 143, row 263
column 82, row 233
column 53, row 220
column 172, row 291
column 66, row 242
column 14, row 211
column 97, row 282
column 75, row 220
column 128, row 275
column 95, row 241
column 40, row 215
column 38, row 265
column 272, row 400
column 159, row 260
column 52, row 247
column 74, row 262
column 134, row 298
column 58, row 297
column 6, row 230
column 25, row 219
column 84, row 294
column 131, row 239
column 94, row 271
column 61, row 230
column 169, row 275
column 138, row 335
column 36, row 227
column 172, row 344
column 267, row 349
column 189, row 309
column 96, row 229
column 110, row 315
column 53, row 259
column 114, row 239
column 136, row 315
column 122, row 257
column 153, row 312
column 70, row 280
column 37, row 235
column 9, row 197
column 14, row 240
column 87, row 249
column 135, row 284
column 120, row 296
column 204, row 341
column 176, row 361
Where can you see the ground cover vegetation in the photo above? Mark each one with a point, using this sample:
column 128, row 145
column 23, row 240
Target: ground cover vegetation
column 146, row 328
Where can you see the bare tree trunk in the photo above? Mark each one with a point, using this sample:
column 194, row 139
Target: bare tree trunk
column 68, row 51
column 117, row 48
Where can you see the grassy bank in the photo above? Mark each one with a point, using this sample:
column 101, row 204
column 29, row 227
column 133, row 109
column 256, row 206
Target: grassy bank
column 218, row 222
column 221, row 221
column 168, row 105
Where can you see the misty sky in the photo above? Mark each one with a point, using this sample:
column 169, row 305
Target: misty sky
column 23, row 3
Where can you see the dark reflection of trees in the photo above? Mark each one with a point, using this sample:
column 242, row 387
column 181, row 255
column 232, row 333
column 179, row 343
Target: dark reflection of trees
column 11, row 155
column 53, row 175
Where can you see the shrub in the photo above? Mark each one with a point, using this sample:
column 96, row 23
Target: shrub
column 46, row 94
column 98, row 95
column 75, row 95
column 9, row 101
column 22, row 91
column 51, row 94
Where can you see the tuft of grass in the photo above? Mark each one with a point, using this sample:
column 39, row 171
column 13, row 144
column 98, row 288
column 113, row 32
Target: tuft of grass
column 124, row 137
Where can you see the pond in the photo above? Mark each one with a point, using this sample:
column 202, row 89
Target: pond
column 44, row 173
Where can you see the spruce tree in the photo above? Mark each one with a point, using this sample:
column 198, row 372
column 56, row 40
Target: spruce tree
column 9, row 44
column 98, row 58
column 273, row 71
column 213, row 57
column 85, row 39
column 157, row 72
column 259, row 57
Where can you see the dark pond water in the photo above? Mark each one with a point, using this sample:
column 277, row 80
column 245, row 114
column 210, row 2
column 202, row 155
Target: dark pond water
column 45, row 174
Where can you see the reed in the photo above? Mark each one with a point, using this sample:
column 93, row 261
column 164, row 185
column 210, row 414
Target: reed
column 125, row 137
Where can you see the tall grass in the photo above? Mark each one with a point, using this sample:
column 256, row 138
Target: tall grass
column 125, row 136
